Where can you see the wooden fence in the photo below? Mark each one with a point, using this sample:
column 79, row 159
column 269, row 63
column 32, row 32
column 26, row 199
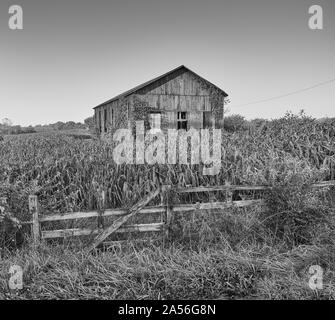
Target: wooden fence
column 166, row 211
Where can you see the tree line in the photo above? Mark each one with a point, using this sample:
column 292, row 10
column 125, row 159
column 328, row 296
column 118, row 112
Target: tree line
column 7, row 127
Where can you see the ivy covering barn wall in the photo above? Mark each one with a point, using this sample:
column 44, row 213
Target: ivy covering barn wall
column 217, row 101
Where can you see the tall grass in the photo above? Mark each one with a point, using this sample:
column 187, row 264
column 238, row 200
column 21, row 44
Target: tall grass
column 211, row 255
column 242, row 253
column 233, row 257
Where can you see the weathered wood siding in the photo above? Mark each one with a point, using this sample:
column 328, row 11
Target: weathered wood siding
column 116, row 114
column 184, row 83
column 181, row 91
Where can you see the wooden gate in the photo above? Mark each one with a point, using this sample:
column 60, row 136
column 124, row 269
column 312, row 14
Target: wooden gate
column 166, row 210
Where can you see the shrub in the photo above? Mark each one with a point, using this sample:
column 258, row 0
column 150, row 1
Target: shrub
column 10, row 228
column 235, row 123
column 295, row 211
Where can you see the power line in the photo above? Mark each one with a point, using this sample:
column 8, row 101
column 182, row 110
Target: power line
column 285, row 95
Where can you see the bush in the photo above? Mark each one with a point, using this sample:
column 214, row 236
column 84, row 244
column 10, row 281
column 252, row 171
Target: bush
column 10, row 228
column 295, row 211
column 235, row 123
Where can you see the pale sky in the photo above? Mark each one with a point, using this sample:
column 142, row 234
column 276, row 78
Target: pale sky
column 72, row 55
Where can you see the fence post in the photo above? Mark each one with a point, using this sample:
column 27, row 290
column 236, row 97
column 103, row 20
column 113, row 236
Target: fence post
column 33, row 209
column 168, row 215
column 101, row 209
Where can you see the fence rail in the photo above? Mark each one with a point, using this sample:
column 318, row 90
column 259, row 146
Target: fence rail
column 149, row 227
column 166, row 210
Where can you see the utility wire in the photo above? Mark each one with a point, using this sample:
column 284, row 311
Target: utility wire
column 285, row 95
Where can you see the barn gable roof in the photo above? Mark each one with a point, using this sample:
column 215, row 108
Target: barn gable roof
column 180, row 69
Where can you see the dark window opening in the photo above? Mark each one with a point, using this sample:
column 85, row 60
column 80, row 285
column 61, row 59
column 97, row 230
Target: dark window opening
column 207, row 120
column 182, row 121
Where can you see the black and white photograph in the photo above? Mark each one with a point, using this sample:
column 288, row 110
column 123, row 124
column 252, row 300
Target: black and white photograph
column 168, row 156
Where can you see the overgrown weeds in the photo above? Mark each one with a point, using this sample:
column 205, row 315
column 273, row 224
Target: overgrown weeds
column 242, row 253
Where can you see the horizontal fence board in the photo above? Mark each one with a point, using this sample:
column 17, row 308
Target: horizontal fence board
column 324, row 184
column 216, row 205
column 82, row 215
column 147, row 227
column 243, row 188
column 92, row 214
column 50, row 234
column 220, row 188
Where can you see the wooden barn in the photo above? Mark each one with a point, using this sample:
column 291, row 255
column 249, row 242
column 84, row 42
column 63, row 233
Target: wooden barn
column 178, row 99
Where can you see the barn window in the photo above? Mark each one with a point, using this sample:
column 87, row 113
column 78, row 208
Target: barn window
column 155, row 122
column 207, row 120
column 105, row 120
column 182, row 121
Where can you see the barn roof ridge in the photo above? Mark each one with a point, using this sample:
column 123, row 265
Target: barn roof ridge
column 147, row 83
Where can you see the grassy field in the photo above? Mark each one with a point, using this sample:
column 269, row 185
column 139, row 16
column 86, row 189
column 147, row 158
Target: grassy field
column 238, row 254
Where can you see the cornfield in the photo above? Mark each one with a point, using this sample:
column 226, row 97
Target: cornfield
column 66, row 173
column 247, row 253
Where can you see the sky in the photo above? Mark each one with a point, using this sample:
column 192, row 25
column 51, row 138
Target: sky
column 72, row 55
